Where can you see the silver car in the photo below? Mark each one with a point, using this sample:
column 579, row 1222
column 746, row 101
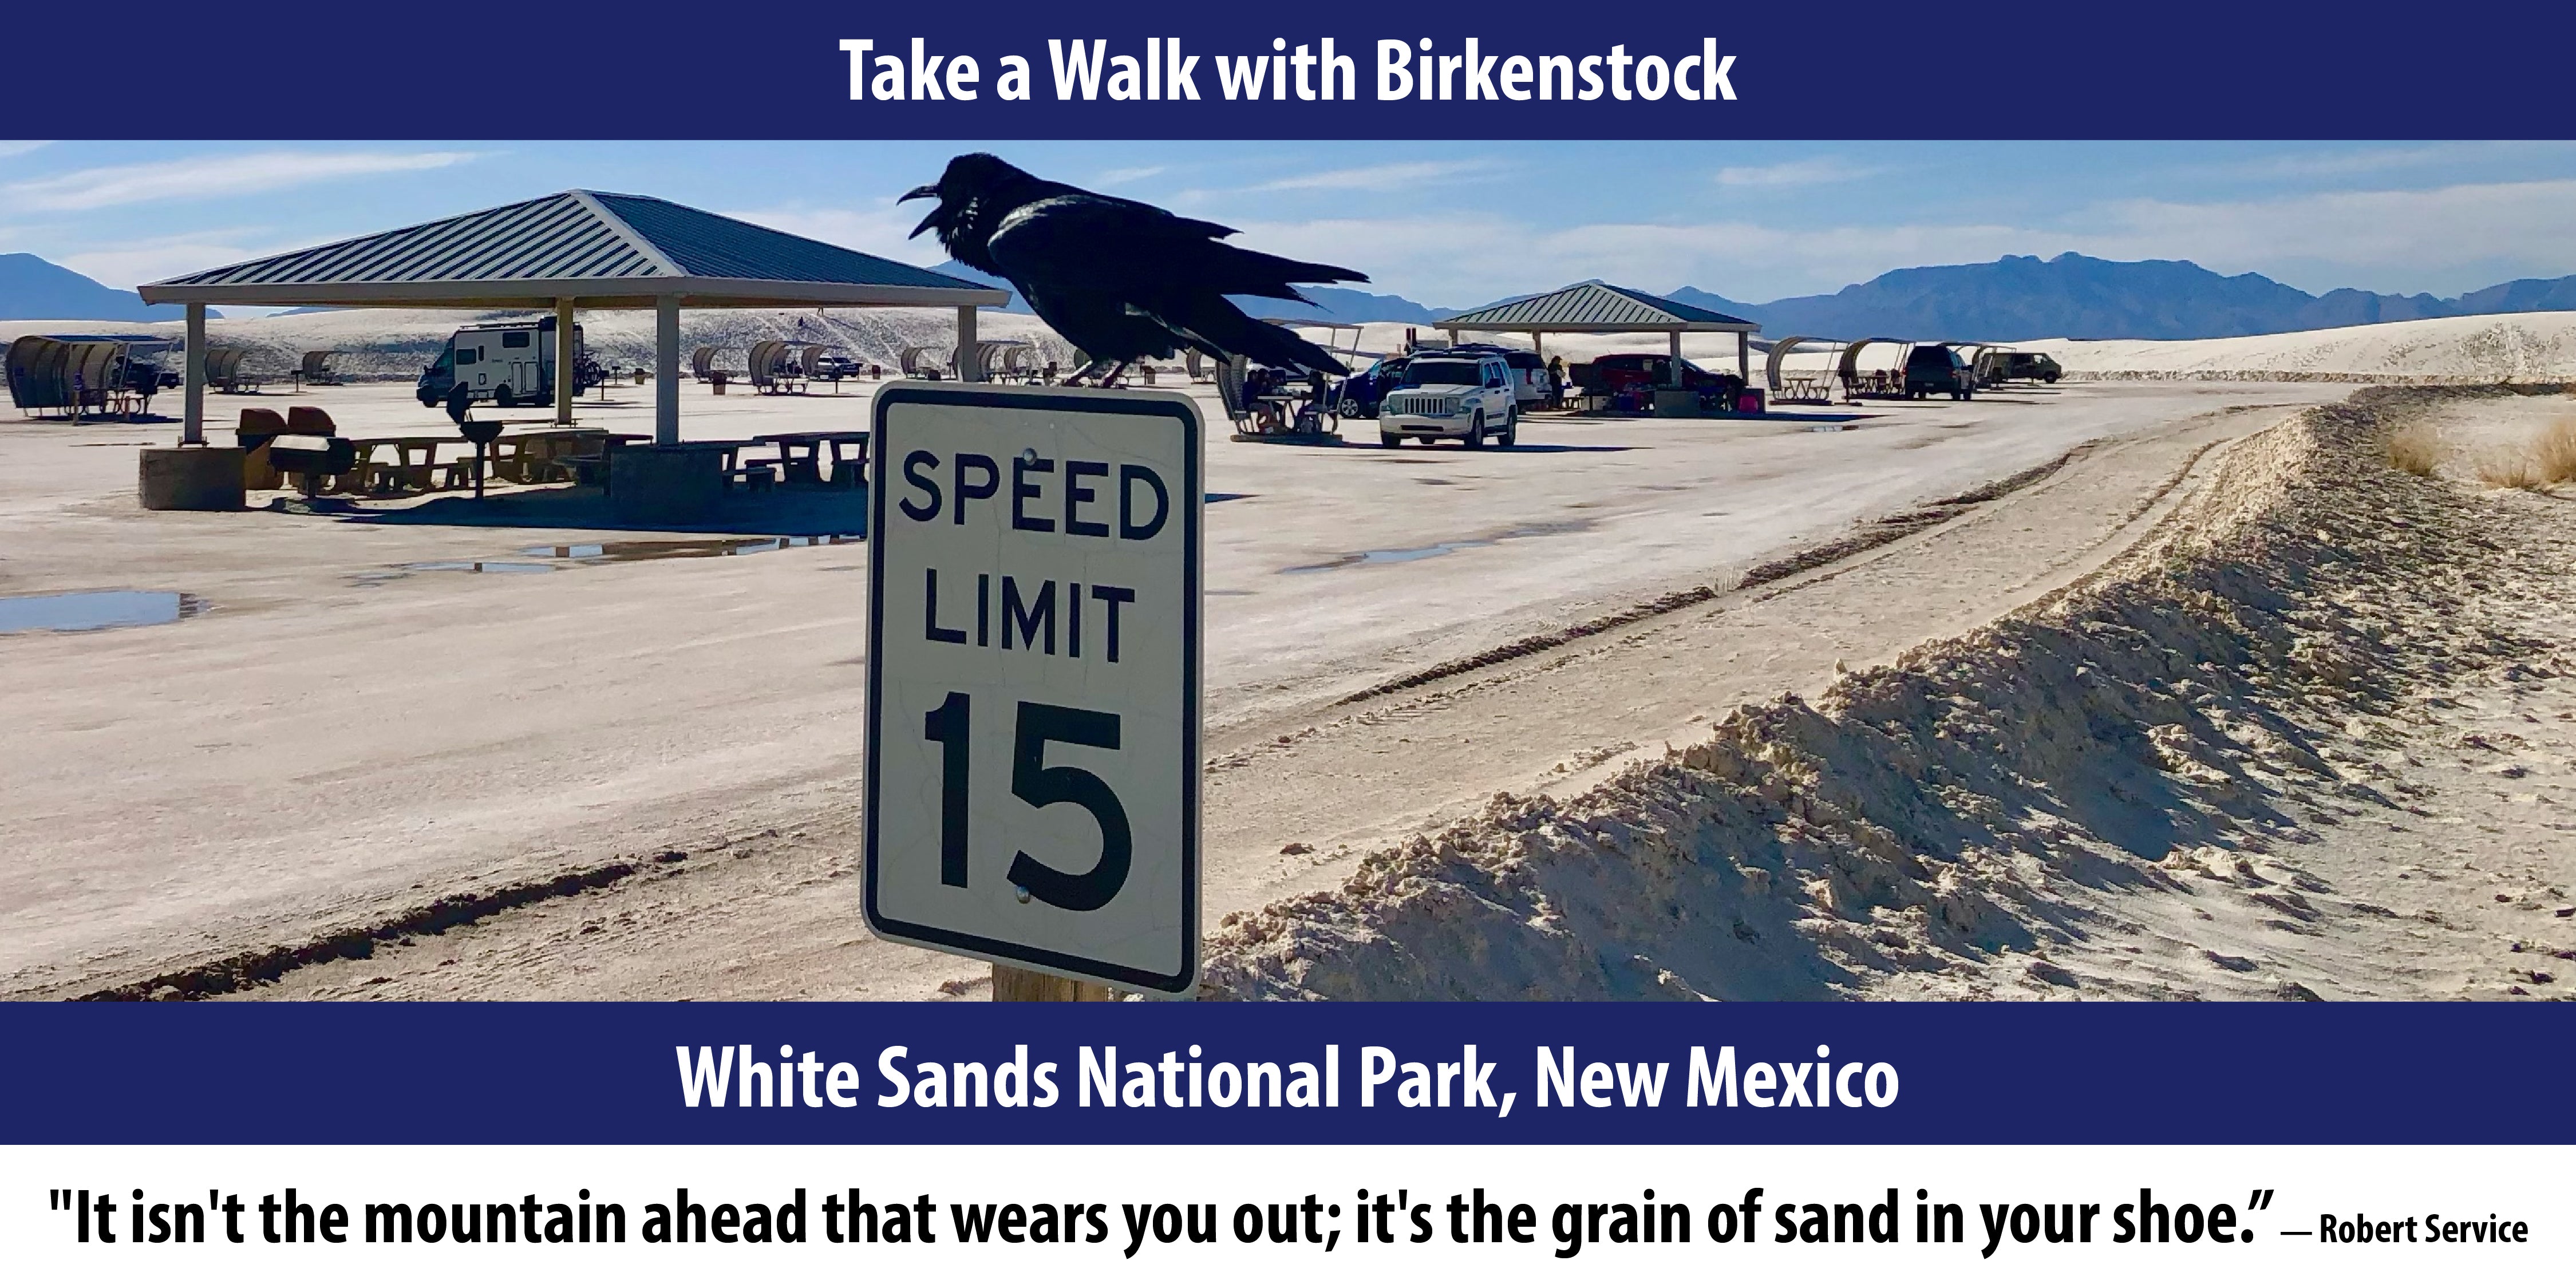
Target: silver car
column 1464, row 395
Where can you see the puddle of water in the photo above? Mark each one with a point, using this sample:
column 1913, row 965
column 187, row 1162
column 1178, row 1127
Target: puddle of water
column 476, row 565
column 95, row 610
column 1411, row 553
column 637, row 551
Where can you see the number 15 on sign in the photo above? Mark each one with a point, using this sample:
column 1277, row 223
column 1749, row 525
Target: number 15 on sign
column 1033, row 679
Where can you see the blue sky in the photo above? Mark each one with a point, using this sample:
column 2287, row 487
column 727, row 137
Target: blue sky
column 1448, row 224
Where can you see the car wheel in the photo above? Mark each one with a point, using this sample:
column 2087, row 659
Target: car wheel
column 1511, row 427
column 501, row 397
column 1476, row 433
column 1385, row 439
column 1967, row 393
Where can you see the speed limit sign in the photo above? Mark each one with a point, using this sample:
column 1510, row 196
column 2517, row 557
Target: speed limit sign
column 1033, row 679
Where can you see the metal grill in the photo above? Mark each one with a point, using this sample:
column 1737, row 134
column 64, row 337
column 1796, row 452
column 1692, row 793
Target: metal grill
column 1423, row 405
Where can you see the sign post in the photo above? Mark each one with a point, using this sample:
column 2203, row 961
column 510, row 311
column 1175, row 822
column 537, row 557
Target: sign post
column 1032, row 792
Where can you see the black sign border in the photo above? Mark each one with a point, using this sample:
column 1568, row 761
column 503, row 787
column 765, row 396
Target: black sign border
column 1195, row 433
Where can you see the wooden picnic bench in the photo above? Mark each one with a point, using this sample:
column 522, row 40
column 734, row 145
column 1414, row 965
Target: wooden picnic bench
column 414, row 466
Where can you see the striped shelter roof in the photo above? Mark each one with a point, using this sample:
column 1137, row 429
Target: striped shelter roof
column 601, row 249
column 1595, row 307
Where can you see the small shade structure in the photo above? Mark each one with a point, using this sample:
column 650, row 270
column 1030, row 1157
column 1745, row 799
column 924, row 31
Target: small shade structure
column 1598, row 308
column 597, row 250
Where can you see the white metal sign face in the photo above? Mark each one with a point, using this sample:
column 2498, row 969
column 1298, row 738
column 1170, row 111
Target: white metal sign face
column 1033, row 679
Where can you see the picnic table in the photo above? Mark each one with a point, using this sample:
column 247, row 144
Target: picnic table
column 556, row 455
column 414, row 467
column 819, row 454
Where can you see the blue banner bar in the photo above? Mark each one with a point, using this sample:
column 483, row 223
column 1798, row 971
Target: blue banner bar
column 1869, row 70
column 1938, row 1073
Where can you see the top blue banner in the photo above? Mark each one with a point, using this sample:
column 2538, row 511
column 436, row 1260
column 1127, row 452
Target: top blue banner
column 1155, row 71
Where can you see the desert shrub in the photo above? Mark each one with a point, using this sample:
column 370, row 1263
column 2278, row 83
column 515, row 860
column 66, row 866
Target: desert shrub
column 2553, row 452
column 2509, row 469
column 2415, row 449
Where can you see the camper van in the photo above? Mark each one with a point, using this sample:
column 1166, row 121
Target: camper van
column 509, row 363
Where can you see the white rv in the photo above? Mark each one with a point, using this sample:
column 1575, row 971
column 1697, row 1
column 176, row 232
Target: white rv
column 508, row 363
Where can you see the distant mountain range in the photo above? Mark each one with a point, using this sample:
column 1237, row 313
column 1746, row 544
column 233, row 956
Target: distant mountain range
column 2023, row 297
column 2018, row 297
column 36, row 288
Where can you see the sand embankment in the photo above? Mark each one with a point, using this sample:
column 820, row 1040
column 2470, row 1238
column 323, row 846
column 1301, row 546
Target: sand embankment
column 2486, row 349
column 2109, row 792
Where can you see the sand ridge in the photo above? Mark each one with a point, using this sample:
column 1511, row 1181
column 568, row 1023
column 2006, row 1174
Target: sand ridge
column 2116, row 792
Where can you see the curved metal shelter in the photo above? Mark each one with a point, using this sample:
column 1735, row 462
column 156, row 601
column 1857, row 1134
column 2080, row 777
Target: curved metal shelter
column 1598, row 308
column 598, row 250
column 1786, row 387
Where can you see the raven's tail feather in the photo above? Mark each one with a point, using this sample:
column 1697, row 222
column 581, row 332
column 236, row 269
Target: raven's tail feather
column 1233, row 270
column 1223, row 330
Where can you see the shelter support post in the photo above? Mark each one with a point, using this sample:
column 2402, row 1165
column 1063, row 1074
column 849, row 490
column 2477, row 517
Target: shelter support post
column 1744, row 355
column 970, row 364
column 564, row 371
column 1020, row 984
column 666, row 370
column 1674, row 346
column 192, row 429
column 1538, row 344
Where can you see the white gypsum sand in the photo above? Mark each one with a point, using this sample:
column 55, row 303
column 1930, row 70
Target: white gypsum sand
column 2240, row 761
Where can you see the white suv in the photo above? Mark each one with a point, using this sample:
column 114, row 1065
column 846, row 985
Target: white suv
column 1451, row 395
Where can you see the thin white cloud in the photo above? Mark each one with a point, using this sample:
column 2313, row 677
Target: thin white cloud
column 20, row 147
column 128, row 264
column 1793, row 174
column 1377, row 178
column 1129, row 175
column 200, row 177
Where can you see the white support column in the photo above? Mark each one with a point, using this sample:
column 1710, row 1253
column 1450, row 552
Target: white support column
column 1675, row 340
column 1744, row 356
column 192, row 429
column 564, row 361
column 969, row 365
column 666, row 370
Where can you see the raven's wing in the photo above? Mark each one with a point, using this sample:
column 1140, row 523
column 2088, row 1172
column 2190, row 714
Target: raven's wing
column 1135, row 252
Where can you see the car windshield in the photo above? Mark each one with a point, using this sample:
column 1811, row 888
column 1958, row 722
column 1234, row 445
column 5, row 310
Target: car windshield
column 1443, row 373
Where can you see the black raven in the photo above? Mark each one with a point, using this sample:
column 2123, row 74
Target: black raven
column 1120, row 279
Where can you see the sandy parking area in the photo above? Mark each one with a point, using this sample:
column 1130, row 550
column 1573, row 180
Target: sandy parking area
column 342, row 735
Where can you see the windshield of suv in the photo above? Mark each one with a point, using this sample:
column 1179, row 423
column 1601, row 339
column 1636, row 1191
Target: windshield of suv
column 1437, row 372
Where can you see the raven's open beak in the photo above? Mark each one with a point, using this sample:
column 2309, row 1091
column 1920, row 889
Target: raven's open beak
column 925, row 190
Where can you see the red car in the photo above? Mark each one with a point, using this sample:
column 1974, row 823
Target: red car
column 1618, row 373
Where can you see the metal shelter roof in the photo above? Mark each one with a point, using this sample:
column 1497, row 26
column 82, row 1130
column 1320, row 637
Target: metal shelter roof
column 1595, row 307
column 603, row 249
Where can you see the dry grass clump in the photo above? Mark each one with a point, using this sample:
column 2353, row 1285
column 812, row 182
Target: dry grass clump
column 2509, row 469
column 2553, row 452
column 2549, row 460
column 2415, row 449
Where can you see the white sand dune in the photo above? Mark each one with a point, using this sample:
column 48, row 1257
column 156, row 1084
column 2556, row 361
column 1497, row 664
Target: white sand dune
column 2487, row 348
column 396, row 343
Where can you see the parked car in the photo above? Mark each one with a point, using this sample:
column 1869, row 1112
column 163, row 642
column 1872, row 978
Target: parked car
column 1996, row 366
column 1619, row 373
column 1532, row 386
column 833, row 366
column 1361, row 394
column 1938, row 369
column 1445, row 394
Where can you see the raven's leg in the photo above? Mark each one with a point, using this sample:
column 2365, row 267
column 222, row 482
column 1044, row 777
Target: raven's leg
column 1111, row 379
column 1075, row 380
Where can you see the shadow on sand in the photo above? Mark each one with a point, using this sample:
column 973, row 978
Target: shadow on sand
column 785, row 513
